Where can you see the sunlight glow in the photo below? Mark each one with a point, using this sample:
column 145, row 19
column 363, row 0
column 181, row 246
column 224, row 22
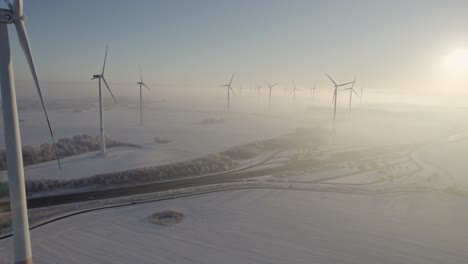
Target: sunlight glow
column 457, row 61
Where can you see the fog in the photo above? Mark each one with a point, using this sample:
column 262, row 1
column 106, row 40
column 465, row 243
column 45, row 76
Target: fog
column 185, row 115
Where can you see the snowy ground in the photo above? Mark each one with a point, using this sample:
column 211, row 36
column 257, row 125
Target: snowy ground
column 180, row 120
column 190, row 138
column 264, row 226
column 403, row 207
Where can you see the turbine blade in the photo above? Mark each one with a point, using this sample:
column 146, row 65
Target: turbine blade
column 105, row 59
column 294, row 84
column 232, row 77
column 267, row 84
column 343, row 84
column 230, row 88
column 334, row 97
column 274, row 85
column 108, row 88
column 17, row 8
column 24, row 42
column 146, row 86
column 331, row 79
column 354, row 92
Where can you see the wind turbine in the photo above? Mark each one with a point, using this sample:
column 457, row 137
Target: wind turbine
column 258, row 90
column 19, row 214
column 312, row 90
column 360, row 97
column 229, row 90
column 270, row 86
column 141, row 83
column 351, row 91
column 101, row 77
column 335, row 96
column 294, row 91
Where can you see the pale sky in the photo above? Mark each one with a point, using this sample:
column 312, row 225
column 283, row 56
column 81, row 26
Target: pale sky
column 183, row 43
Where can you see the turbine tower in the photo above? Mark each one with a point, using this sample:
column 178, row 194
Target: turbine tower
column 294, row 91
column 229, row 90
column 351, row 91
column 19, row 214
column 141, row 83
column 335, row 96
column 270, row 86
column 101, row 123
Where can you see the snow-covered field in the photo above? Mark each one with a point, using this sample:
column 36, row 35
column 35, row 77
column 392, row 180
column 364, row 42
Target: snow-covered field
column 181, row 120
column 423, row 223
column 264, row 226
column 190, row 138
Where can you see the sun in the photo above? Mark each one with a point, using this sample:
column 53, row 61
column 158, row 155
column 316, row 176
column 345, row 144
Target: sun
column 457, row 61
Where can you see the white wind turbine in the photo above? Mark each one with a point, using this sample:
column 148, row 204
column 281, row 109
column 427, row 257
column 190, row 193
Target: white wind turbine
column 19, row 215
column 258, row 90
column 335, row 96
column 351, row 91
column 141, row 83
column 270, row 86
column 101, row 123
column 229, row 90
column 294, row 91
column 312, row 90
column 360, row 97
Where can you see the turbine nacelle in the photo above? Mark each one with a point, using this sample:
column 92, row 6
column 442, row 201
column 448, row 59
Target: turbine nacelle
column 6, row 16
column 13, row 14
column 229, row 87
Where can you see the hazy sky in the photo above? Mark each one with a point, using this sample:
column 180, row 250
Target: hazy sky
column 396, row 44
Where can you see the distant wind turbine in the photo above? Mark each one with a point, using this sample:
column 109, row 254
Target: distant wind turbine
column 229, row 90
column 101, row 123
column 312, row 91
column 270, row 86
column 141, row 83
column 258, row 90
column 294, row 91
column 335, row 96
column 351, row 91
column 360, row 97
column 19, row 214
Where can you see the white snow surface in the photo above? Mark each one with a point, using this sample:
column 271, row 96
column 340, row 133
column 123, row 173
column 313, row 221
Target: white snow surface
column 264, row 226
column 190, row 139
